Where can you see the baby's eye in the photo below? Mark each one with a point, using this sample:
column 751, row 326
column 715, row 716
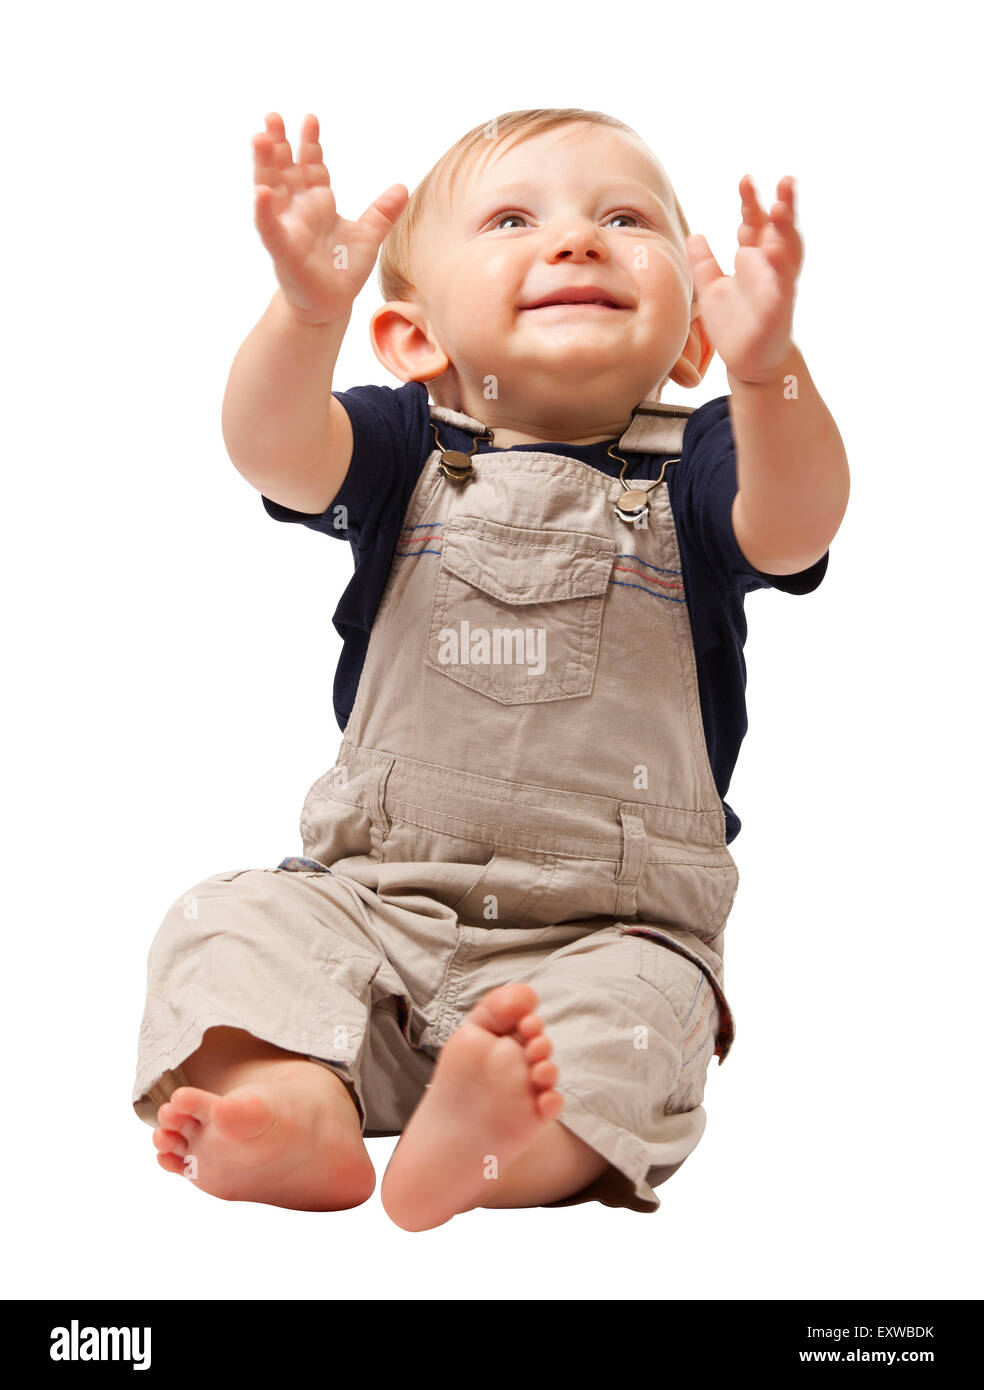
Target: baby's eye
column 520, row 217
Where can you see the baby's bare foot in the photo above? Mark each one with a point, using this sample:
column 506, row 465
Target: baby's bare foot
column 490, row 1097
column 291, row 1139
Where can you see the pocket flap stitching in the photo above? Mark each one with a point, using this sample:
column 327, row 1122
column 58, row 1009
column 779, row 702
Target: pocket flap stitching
column 517, row 564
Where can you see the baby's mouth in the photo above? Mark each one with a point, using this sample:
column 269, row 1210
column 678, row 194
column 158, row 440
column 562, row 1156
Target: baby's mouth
column 573, row 304
column 584, row 297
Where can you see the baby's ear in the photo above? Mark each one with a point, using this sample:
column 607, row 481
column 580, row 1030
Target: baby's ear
column 398, row 332
column 695, row 359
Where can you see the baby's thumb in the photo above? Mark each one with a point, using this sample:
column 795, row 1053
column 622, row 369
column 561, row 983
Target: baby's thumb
column 267, row 207
column 380, row 215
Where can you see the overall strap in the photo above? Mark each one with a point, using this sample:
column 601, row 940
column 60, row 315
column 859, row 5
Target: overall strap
column 445, row 414
column 654, row 428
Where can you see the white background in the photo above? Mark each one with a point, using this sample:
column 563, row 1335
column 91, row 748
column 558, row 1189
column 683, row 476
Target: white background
column 168, row 700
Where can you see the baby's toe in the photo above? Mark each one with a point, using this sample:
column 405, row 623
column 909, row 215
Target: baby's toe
column 170, row 1141
column 544, row 1074
column 529, row 1027
column 171, row 1117
column 538, row 1049
column 171, row 1163
column 504, row 1007
column 549, row 1104
column 243, row 1114
column 192, row 1101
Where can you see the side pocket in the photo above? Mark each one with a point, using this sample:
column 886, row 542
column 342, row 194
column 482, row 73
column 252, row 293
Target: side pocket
column 690, row 893
column 380, row 824
column 471, row 904
column 345, row 1001
column 344, row 813
column 519, row 882
column 341, row 1021
column 688, row 991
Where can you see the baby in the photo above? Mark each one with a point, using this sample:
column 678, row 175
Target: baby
column 503, row 940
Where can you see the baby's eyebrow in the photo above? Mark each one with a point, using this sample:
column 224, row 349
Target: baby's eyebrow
column 628, row 188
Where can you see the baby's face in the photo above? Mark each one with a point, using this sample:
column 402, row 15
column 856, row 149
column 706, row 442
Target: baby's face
column 577, row 209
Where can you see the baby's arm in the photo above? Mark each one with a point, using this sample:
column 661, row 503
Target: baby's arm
column 793, row 476
column 283, row 429
column 792, row 470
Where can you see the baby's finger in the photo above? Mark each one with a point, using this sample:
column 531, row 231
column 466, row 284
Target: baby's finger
column 750, row 206
column 274, row 123
column 783, row 212
column 786, row 190
column 265, row 167
column 785, row 245
column 271, row 153
column 753, row 219
column 309, row 154
column 274, row 143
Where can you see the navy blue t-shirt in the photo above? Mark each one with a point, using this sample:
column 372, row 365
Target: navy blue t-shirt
column 392, row 440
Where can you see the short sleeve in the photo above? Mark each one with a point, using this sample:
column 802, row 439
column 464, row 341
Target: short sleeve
column 704, row 493
column 389, row 446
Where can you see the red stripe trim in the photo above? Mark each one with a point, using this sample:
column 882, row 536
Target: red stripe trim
column 667, row 583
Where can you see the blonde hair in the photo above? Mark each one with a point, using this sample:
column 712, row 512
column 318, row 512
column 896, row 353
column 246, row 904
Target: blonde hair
column 395, row 268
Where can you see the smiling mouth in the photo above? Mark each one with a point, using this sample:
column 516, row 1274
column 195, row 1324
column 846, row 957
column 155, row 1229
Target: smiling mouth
column 574, row 304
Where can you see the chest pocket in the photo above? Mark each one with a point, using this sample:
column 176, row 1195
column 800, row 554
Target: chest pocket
column 517, row 611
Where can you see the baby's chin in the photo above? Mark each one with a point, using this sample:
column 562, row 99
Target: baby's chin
column 600, row 330
column 577, row 363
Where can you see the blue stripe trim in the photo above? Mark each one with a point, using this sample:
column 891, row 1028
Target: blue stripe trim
column 696, row 1054
column 693, row 1001
column 665, row 597
column 627, row 555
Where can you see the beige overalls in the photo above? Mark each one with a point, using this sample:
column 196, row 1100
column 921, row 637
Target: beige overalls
column 522, row 792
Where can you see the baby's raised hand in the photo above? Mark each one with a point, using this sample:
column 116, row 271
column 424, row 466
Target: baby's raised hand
column 749, row 315
column 321, row 260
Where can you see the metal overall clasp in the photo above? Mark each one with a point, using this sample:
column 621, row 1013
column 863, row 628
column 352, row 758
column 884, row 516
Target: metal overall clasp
column 633, row 505
column 455, row 465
